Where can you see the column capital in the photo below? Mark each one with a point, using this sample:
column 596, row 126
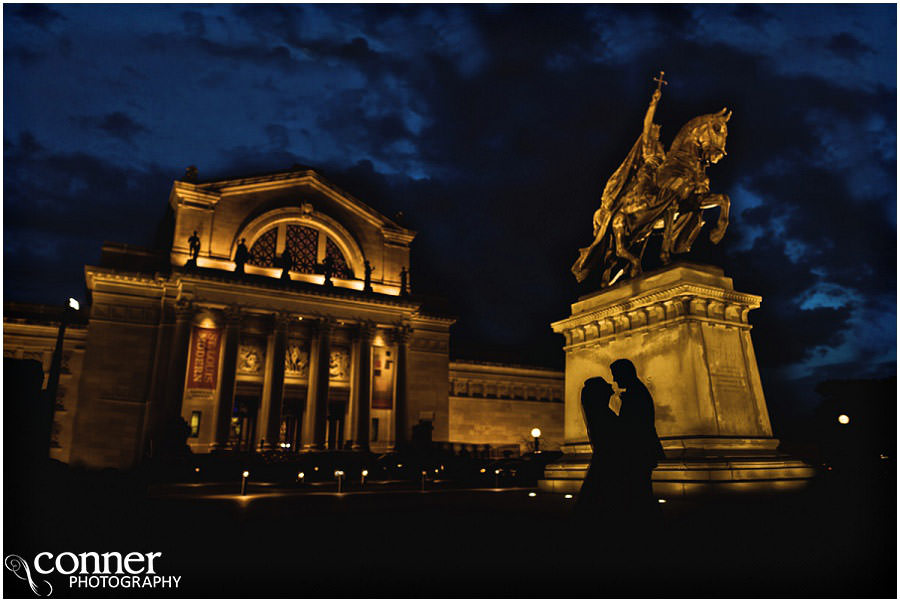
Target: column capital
column 281, row 319
column 402, row 333
column 366, row 330
column 232, row 315
column 184, row 309
column 324, row 325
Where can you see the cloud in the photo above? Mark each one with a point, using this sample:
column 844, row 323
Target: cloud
column 37, row 15
column 846, row 46
column 116, row 124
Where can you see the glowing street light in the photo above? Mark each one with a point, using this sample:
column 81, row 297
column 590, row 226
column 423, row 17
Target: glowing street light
column 844, row 419
column 423, row 480
column 301, row 476
column 244, row 477
column 536, row 433
column 56, row 363
column 339, row 475
column 363, row 474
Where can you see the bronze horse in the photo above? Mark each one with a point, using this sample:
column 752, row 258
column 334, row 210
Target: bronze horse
column 672, row 203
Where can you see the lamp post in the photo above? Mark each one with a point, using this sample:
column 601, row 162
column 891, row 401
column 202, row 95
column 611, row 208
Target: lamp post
column 339, row 474
column 244, row 476
column 536, row 433
column 363, row 476
column 56, row 363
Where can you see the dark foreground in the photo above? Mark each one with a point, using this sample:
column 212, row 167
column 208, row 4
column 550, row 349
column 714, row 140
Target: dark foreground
column 838, row 539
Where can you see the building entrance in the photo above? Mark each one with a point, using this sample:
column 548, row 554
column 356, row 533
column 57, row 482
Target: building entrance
column 243, row 423
column 335, row 434
column 292, row 423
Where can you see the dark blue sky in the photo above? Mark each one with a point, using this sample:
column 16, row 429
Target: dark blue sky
column 494, row 129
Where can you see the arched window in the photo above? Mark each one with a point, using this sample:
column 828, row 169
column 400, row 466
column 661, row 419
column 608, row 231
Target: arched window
column 303, row 243
column 341, row 269
column 308, row 247
column 262, row 253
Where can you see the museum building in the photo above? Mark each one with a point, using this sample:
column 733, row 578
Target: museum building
column 281, row 317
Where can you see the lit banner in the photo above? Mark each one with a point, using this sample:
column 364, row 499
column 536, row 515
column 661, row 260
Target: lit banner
column 382, row 378
column 203, row 364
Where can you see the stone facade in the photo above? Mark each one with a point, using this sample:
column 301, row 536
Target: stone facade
column 29, row 332
column 498, row 405
column 263, row 360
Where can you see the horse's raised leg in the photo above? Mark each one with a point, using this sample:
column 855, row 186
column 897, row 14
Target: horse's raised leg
column 618, row 226
column 687, row 228
column 665, row 252
column 724, row 204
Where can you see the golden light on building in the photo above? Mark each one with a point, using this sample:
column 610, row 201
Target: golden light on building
column 844, row 419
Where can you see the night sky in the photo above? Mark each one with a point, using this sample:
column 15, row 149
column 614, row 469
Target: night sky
column 493, row 129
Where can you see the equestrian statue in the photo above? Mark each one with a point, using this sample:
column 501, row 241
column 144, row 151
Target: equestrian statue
column 655, row 192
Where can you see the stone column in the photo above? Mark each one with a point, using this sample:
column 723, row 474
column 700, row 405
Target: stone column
column 363, row 388
column 401, row 420
column 226, row 385
column 178, row 356
column 272, row 404
column 314, row 422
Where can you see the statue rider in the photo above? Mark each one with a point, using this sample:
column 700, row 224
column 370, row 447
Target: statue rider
column 644, row 182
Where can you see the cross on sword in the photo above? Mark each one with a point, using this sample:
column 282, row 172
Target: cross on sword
column 660, row 81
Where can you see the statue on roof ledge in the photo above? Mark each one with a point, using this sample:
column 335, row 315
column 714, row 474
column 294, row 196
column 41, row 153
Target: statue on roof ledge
column 657, row 192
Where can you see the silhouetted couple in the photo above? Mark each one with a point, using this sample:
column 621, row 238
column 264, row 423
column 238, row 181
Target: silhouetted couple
column 617, row 489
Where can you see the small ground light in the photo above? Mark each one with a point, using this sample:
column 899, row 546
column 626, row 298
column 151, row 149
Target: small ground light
column 316, row 468
column 532, row 494
column 883, row 456
column 399, row 465
column 196, row 469
column 483, row 470
column 844, row 419
column 661, row 501
column 568, row 496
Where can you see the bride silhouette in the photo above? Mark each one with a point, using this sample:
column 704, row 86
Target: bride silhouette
column 602, row 492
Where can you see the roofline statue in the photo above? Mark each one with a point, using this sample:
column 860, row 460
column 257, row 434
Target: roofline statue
column 655, row 192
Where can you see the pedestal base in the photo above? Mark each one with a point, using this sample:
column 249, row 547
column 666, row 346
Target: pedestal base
column 686, row 331
column 732, row 472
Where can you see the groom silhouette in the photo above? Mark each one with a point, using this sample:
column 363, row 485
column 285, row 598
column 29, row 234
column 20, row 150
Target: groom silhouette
column 641, row 448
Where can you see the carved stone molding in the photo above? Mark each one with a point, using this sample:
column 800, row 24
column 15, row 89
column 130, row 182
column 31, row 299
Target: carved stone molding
column 402, row 334
column 232, row 315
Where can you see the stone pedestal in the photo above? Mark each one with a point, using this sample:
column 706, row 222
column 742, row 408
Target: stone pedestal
column 686, row 330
